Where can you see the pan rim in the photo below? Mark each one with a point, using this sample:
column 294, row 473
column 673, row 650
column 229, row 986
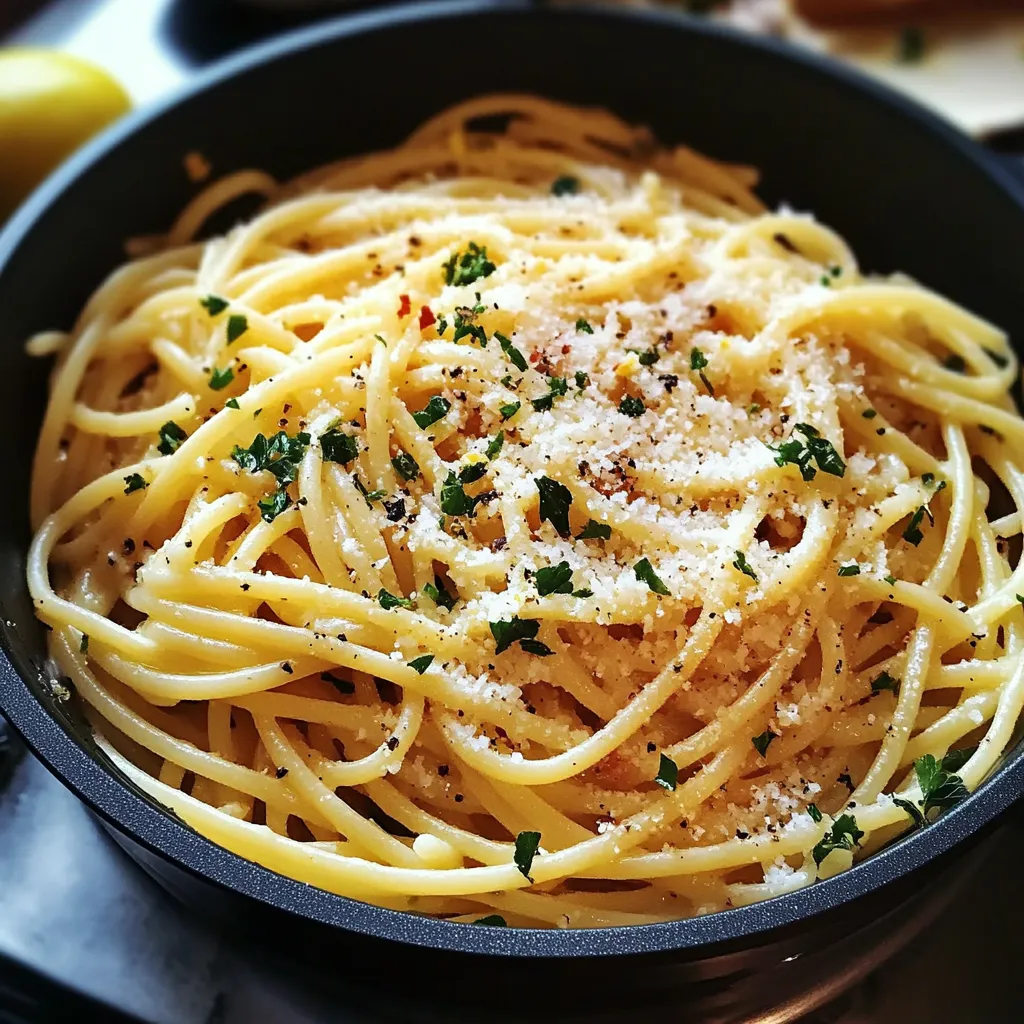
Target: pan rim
column 146, row 823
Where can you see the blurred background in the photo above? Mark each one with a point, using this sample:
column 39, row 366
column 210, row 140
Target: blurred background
column 83, row 933
column 964, row 58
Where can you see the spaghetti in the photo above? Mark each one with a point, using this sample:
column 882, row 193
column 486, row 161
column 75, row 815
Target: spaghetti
column 524, row 526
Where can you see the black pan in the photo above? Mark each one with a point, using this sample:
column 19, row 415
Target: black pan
column 907, row 191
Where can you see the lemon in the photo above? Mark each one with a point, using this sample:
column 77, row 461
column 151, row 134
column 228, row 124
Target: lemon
column 50, row 103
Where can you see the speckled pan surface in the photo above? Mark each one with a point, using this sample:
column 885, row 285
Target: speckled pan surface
column 907, row 190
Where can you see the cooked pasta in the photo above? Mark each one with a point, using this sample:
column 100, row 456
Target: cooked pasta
column 525, row 526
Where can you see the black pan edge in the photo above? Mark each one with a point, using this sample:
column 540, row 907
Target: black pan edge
column 154, row 828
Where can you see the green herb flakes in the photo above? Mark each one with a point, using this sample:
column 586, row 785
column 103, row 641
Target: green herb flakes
column 632, row 406
column 506, row 632
column 644, row 572
column 135, row 482
column 553, row 579
column 741, row 563
column 171, row 436
column 595, row 531
column 527, row 844
column 406, row 466
column 388, row 601
column 421, row 664
column 699, row 362
column 515, row 357
column 762, row 741
column 436, row 409
column 214, row 304
column 469, row 266
column 237, row 326
column 339, row 447
column 555, row 499
column 668, row 773
column 565, row 185
column 439, row 595
column 844, row 835
column 220, row 379
column 884, row 681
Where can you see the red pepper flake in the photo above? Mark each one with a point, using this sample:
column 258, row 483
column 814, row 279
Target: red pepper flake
column 405, row 306
column 427, row 318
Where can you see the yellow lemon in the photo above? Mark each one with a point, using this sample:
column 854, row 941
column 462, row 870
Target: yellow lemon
column 50, row 103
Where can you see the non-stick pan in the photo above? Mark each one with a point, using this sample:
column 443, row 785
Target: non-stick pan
column 907, row 191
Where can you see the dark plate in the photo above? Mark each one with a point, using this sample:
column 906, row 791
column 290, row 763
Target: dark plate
column 907, row 191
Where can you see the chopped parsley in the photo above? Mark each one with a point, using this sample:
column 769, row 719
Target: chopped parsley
column 553, row 579
column 469, row 266
column 237, row 326
column 437, row 593
column 527, row 844
column 516, row 357
column 368, row 496
column 337, row 446
column 844, row 835
column 741, row 563
column 762, row 741
column 812, row 810
column 699, row 362
column 232, row 403
column 555, row 499
column 632, row 406
column 466, row 326
column 644, row 572
column 849, row 569
column 135, row 482
column 454, row 499
column 473, row 472
column 884, row 681
column 492, row 921
column 536, row 647
column 595, row 531
column 220, row 379
column 668, row 773
column 421, row 664
column 406, row 466
column 171, row 436
column 557, row 386
column 273, row 504
column 583, row 326
column 279, row 454
column 582, row 379
column 912, row 533
column 801, row 453
column 214, row 304
column 869, row 414
column 646, row 357
column 509, row 410
column 437, row 408
column 565, row 185
column 941, row 787
column 495, row 443
column 388, row 601
column 506, row 632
